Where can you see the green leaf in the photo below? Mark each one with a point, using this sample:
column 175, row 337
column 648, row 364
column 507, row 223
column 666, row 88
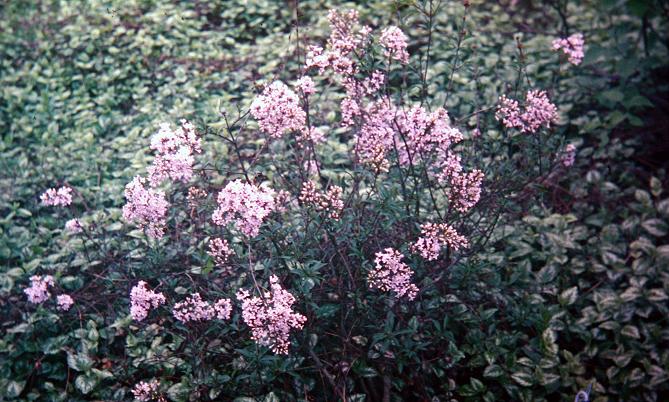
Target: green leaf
column 655, row 186
column 643, row 197
column 79, row 362
column 630, row 331
column 657, row 295
column 327, row 310
column 663, row 207
column 523, row 379
column 179, row 392
column 14, row 388
column 367, row 372
column 271, row 397
column 623, row 359
column 549, row 338
column 568, row 297
column 493, row 371
column 477, row 385
column 613, row 95
column 656, row 227
column 547, row 274
column 663, row 252
column 86, row 383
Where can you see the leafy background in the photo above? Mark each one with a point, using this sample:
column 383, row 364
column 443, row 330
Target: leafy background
column 571, row 290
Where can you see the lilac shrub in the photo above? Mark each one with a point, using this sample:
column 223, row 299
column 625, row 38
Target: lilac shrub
column 337, row 206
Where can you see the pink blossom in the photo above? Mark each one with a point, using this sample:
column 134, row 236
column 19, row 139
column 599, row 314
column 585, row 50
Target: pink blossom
column 271, row 317
column 306, row 85
column 196, row 309
column 57, row 197
column 572, row 47
column 568, row 156
column 220, row 251
column 64, row 302
column 195, row 194
column 142, row 300
column 508, row 111
column 538, row 111
column 38, row 291
column 193, row 309
column 173, row 166
column 146, row 391
column 465, row 190
column 394, row 42
column 425, row 134
column 373, row 83
column 329, row 202
column 375, row 138
column 74, row 226
column 343, row 37
column 247, row 204
column 174, row 153
column 392, row 275
column 310, row 135
column 223, row 309
column 316, row 58
column 350, row 109
column 145, row 207
column 278, row 110
column 436, row 236
column 283, row 201
column 167, row 140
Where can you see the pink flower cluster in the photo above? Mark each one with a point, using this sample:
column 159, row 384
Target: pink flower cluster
column 65, row 302
column 174, row 153
column 310, row 135
column 343, row 38
column 434, row 237
column 306, row 85
column 74, row 226
column 146, row 391
column 346, row 38
column 329, row 202
column 146, row 207
column 278, row 110
column 247, row 204
column 568, row 156
column 538, row 111
column 375, row 138
column 425, row 133
column 38, row 291
column 394, row 42
column 283, row 201
column 271, row 317
column 220, row 251
column 465, row 189
column 195, row 194
column 392, row 275
column 142, row 300
column 572, row 47
column 57, row 197
column 196, row 309
column 420, row 137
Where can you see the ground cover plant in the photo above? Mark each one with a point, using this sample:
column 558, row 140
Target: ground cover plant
column 429, row 200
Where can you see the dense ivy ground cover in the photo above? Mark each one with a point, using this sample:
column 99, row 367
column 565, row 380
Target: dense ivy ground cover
column 570, row 289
